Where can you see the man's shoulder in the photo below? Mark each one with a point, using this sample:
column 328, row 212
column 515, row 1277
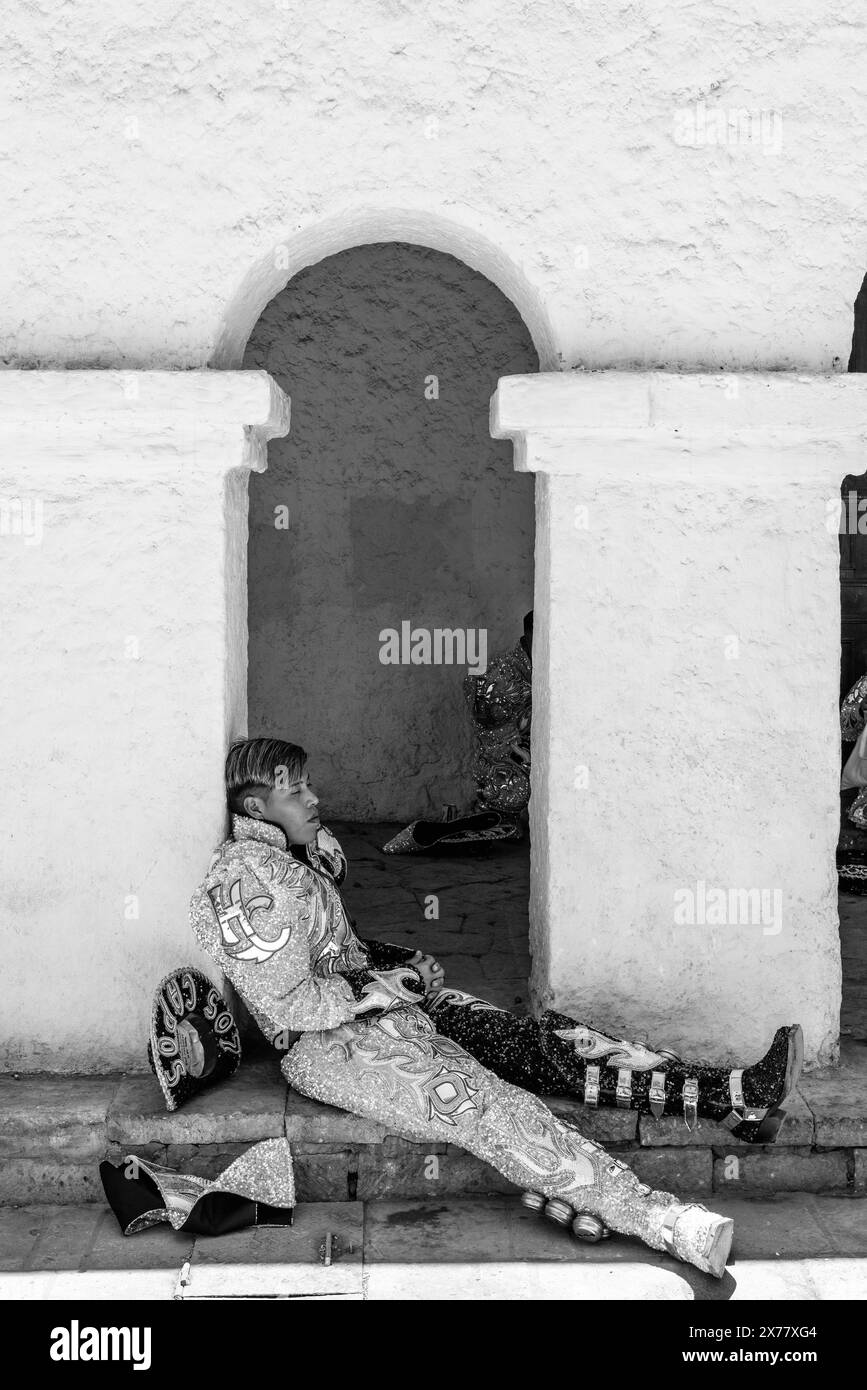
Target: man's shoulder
column 267, row 862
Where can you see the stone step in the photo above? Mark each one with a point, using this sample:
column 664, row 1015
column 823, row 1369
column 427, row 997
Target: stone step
column 55, row 1130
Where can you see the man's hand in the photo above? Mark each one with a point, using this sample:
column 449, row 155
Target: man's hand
column 430, row 970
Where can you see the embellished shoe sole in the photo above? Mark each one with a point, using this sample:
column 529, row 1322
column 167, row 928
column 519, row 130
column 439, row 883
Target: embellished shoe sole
column 719, row 1248
column 583, row 1224
column 712, row 1260
column 698, row 1237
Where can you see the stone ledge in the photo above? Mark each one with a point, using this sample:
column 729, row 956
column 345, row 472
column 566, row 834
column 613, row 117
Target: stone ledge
column 250, row 1106
column 55, row 1183
column 140, row 403
column 797, row 1130
column 624, row 402
column 604, row 1125
column 783, row 1172
column 46, row 1116
column 54, row 1131
column 837, row 1097
column 426, row 1175
column 675, row 1170
column 310, row 1122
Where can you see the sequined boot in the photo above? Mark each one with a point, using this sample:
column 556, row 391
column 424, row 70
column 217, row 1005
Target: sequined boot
column 601, row 1070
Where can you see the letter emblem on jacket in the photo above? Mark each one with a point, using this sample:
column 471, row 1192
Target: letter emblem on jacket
column 240, row 940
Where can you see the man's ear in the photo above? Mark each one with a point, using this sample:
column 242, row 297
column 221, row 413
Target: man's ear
column 254, row 806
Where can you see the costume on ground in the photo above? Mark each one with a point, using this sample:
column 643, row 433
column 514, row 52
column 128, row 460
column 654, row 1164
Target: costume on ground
column 500, row 708
column 500, row 704
column 359, row 1037
column 257, row 1189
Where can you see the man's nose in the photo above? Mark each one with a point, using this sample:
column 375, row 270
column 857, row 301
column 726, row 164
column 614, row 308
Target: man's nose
column 312, row 798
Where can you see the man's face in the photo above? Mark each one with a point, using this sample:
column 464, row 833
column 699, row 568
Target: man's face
column 292, row 806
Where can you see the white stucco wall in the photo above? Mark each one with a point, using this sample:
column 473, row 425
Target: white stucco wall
column 166, row 171
column 156, row 158
column 684, row 557
column 124, row 634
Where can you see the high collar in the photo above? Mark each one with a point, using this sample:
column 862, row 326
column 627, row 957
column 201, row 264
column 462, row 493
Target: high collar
column 246, row 828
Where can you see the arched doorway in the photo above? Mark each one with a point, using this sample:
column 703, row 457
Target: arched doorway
column 389, row 508
column 388, row 504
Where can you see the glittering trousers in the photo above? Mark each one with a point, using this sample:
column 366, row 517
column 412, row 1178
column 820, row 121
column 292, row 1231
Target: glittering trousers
column 397, row 1070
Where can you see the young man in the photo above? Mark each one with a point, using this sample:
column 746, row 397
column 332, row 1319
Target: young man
column 366, row 1023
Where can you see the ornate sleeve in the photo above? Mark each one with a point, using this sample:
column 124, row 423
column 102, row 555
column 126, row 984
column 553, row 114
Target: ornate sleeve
column 256, row 928
column 851, row 718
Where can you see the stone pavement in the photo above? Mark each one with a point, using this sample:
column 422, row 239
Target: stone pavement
column 482, row 897
column 485, row 1248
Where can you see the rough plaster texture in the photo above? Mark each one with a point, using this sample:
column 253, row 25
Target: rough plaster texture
column 168, row 171
column 397, row 507
column 158, row 157
column 705, row 749
column 124, row 642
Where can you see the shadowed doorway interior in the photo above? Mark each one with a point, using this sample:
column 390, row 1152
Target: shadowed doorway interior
column 388, row 503
column 852, row 846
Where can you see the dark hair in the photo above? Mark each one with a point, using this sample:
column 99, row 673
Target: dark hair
column 259, row 764
column 528, row 621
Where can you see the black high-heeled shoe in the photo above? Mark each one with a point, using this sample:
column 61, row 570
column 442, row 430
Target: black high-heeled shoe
column 483, row 827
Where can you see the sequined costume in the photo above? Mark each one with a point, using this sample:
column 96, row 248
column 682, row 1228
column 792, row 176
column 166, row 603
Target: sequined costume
column 358, row 1038
column 500, row 708
column 257, row 1189
column 851, row 727
column 500, row 705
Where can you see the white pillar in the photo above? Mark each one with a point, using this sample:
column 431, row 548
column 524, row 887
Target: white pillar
column 685, row 728
column 123, row 531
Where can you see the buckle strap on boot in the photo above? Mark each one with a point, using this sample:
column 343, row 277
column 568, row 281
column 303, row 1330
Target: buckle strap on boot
column 657, row 1094
column 690, row 1101
column 591, row 1086
column 739, row 1111
column 666, row 1230
column 624, row 1088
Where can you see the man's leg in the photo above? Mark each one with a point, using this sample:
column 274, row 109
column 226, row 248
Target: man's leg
column 396, row 1069
column 507, row 1044
column 561, row 1057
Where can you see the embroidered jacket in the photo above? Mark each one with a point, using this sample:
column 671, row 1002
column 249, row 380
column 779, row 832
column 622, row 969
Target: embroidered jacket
column 500, row 704
column 851, row 718
column 279, row 930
